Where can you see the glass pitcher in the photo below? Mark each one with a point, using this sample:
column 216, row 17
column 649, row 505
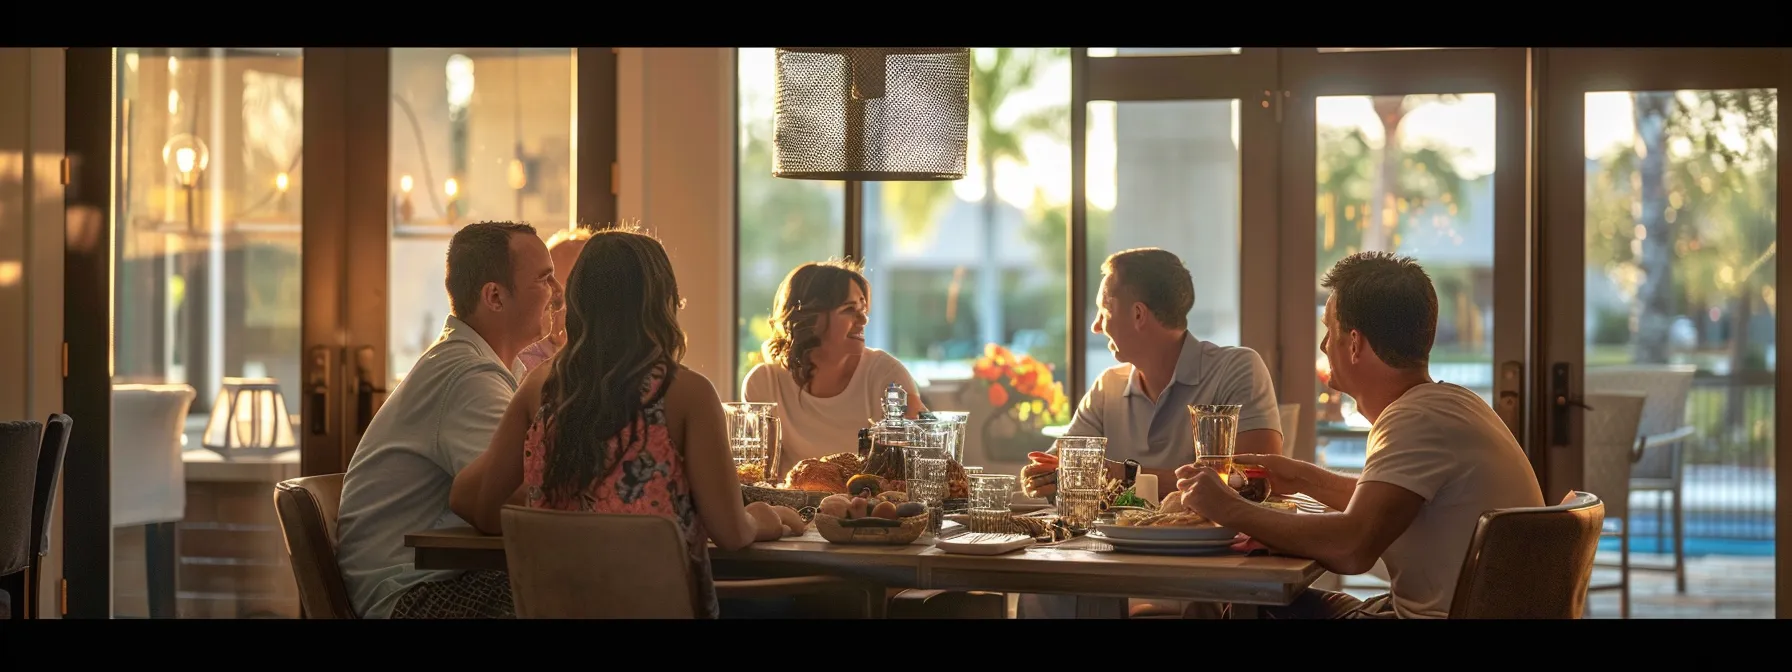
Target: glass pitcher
column 928, row 450
column 753, row 440
column 961, row 421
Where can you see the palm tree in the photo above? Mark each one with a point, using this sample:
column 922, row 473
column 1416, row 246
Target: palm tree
column 1365, row 195
column 1384, row 209
column 996, row 75
column 1707, row 219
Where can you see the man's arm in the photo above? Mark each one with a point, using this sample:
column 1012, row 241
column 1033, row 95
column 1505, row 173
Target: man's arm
column 1331, row 488
column 1259, row 419
column 1260, row 442
column 471, row 413
column 473, row 410
column 1408, row 464
column 1344, row 543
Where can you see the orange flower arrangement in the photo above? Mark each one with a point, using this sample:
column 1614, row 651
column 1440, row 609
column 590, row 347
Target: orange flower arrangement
column 1021, row 382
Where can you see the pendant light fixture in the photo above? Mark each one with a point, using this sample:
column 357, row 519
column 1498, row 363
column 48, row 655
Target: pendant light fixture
column 872, row 114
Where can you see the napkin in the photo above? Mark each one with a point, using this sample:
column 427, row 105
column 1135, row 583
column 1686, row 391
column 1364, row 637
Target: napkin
column 1146, row 487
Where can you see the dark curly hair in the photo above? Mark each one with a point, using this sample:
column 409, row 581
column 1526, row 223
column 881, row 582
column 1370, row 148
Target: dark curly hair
column 806, row 296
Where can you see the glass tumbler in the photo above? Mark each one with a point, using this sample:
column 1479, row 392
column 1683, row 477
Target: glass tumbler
column 990, row 494
column 1216, row 435
column 1082, row 462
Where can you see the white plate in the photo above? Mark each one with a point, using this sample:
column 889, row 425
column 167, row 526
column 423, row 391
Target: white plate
column 1193, row 550
column 1162, row 543
column 1166, row 533
column 984, row 544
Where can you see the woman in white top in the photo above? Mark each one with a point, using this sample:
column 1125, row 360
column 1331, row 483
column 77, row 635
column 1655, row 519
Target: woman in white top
column 826, row 383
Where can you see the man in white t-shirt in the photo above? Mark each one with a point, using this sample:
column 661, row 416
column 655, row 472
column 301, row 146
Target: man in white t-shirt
column 1438, row 457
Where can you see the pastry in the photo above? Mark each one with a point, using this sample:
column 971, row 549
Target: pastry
column 958, row 482
column 848, row 461
column 814, row 475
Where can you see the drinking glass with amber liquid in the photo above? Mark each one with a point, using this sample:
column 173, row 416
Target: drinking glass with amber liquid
column 1216, row 441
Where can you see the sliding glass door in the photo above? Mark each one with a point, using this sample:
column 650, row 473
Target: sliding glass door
column 1661, row 190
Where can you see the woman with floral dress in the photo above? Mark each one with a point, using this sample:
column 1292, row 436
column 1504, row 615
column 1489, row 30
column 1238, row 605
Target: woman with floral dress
column 615, row 424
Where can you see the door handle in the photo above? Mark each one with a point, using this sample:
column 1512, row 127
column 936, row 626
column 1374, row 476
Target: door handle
column 318, row 388
column 1508, row 406
column 365, row 387
column 1562, row 399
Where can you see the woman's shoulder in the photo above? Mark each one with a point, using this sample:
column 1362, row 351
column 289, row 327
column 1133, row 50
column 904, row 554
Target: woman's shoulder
column 879, row 361
column 765, row 373
column 684, row 385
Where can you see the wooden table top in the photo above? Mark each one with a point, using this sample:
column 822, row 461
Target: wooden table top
column 1082, row 567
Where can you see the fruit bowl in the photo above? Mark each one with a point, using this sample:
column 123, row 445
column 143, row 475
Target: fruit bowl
column 803, row 501
column 871, row 530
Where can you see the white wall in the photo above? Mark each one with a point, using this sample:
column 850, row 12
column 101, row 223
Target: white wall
column 675, row 155
column 31, row 239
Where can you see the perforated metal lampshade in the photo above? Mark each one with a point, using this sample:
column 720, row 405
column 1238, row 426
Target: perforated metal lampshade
column 866, row 114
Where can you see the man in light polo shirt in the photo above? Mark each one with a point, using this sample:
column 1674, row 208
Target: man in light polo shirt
column 1141, row 406
column 500, row 282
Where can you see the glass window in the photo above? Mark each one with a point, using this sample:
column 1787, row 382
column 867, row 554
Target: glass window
column 969, row 277
column 207, row 272
column 1412, row 175
column 783, row 223
column 1681, row 232
column 1166, row 174
column 477, row 134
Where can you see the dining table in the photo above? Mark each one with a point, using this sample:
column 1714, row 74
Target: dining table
column 1100, row 578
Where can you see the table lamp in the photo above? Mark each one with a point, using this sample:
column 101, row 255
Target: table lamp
column 249, row 419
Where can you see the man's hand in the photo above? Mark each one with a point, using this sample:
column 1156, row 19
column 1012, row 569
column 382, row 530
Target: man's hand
column 770, row 527
column 1286, row 475
column 1040, row 477
column 1203, row 490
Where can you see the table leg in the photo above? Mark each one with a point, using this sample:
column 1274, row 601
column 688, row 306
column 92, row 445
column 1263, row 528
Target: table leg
column 161, row 557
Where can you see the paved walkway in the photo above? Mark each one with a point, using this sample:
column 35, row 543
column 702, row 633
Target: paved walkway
column 1717, row 586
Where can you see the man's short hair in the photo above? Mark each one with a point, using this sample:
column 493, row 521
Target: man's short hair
column 480, row 253
column 1390, row 299
column 576, row 233
column 1156, row 278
